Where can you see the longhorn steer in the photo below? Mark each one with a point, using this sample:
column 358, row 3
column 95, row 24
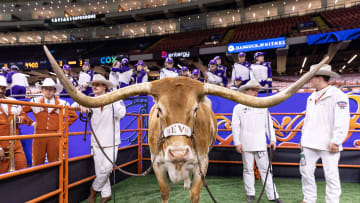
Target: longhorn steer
column 181, row 113
column 181, row 110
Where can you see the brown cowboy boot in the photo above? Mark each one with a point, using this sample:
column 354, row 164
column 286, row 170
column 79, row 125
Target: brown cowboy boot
column 105, row 199
column 92, row 196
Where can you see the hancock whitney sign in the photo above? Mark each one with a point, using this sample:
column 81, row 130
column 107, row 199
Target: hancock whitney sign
column 257, row 45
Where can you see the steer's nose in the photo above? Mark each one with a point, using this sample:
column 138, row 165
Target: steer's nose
column 178, row 154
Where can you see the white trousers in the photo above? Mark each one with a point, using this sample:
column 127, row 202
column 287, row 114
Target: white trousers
column 330, row 163
column 262, row 162
column 103, row 168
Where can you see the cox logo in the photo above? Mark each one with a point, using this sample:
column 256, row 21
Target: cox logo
column 108, row 59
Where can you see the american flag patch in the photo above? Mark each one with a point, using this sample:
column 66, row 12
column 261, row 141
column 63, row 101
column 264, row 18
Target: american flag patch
column 342, row 104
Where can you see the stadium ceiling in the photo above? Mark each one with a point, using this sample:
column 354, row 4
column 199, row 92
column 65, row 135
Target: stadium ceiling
column 114, row 18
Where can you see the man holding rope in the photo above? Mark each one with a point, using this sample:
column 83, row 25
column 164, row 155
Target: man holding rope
column 106, row 125
column 249, row 126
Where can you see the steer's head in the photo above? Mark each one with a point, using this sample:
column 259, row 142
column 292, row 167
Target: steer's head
column 177, row 102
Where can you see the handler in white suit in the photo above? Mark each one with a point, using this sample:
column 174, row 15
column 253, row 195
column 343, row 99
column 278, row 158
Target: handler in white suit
column 249, row 127
column 106, row 124
column 326, row 126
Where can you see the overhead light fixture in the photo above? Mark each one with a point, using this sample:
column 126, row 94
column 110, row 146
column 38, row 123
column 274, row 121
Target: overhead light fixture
column 303, row 64
column 309, row 5
column 64, row 36
column 38, row 37
column 220, row 20
column 142, row 29
column 13, row 38
column 5, row 39
column 132, row 31
column 171, row 26
column 254, row 15
column 293, row 8
column 55, row 37
column 30, row 38
column 268, row 12
column 336, row 1
column 352, row 58
column 233, row 17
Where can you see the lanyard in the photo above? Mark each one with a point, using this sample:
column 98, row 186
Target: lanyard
column 317, row 100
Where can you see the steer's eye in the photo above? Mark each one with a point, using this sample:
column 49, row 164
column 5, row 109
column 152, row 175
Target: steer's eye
column 159, row 112
column 195, row 111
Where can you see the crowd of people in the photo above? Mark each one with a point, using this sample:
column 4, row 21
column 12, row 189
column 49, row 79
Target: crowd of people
column 121, row 75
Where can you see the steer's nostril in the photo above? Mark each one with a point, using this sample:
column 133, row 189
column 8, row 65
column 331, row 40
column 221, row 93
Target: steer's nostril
column 178, row 154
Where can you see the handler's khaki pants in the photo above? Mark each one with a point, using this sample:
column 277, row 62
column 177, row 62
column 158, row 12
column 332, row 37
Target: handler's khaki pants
column 330, row 164
column 103, row 168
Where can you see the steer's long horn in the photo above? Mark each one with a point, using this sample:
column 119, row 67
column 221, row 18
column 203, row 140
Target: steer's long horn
column 262, row 102
column 143, row 88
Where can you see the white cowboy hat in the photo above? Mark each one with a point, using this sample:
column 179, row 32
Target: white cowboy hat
column 3, row 82
column 48, row 82
column 250, row 84
column 100, row 79
column 325, row 70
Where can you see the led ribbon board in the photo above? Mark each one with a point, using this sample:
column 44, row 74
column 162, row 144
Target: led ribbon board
column 257, row 45
column 330, row 37
column 73, row 18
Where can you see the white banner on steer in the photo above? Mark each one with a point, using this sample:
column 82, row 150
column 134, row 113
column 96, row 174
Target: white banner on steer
column 177, row 129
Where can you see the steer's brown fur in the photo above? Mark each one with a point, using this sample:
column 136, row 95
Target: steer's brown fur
column 177, row 99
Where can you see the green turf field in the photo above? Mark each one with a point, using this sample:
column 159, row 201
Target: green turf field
column 225, row 189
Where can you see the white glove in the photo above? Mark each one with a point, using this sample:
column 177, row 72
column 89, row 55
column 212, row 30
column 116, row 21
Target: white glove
column 33, row 124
